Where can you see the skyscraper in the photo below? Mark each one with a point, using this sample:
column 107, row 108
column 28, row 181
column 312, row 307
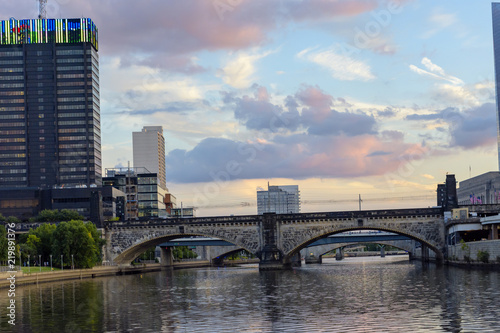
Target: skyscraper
column 149, row 151
column 49, row 103
column 495, row 9
column 279, row 199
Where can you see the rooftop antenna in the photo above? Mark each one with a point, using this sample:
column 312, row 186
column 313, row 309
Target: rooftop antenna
column 42, row 11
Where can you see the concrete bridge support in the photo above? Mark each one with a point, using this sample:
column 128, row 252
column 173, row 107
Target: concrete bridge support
column 382, row 251
column 167, row 257
column 340, row 254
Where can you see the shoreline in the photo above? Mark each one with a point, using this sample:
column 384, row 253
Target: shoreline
column 90, row 273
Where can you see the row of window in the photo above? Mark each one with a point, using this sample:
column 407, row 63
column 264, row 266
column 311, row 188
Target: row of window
column 13, row 163
column 12, row 93
column 13, row 100
column 11, row 54
column 11, row 77
column 71, row 83
column 10, row 140
column 68, row 60
column 11, row 116
column 4, row 124
column 11, row 70
column 73, row 91
column 73, row 177
column 72, row 130
column 73, row 153
column 75, row 169
column 12, row 108
column 12, row 171
column 72, row 138
column 11, row 62
column 76, row 161
column 12, row 132
column 12, row 179
column 12, row 147
column 11, row 85
column 71, row 107
column 69, row 52
column 12, row 155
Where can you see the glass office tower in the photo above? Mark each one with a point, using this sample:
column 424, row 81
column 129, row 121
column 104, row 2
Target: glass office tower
column 495, row 9
column 50, row 133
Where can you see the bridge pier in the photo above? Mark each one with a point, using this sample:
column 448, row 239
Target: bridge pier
column 382, row 251
column 339, row 255
column 166, row 256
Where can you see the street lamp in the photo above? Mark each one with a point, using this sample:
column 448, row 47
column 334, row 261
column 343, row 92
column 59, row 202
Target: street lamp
column 72, row 265
column 40, row 262
column 62, row 268
column 29, row 268
column 51, row 262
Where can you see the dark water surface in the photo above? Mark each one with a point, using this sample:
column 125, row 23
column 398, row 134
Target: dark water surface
column 354, row 295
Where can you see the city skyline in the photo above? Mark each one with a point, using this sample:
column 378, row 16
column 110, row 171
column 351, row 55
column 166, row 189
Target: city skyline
column 342, row 98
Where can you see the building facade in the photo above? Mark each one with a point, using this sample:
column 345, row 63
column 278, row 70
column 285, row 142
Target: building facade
column 145, row 196
column 49, row 103
column 279, row 199
column 149, row 151
column 482, row 189
column 495, row 9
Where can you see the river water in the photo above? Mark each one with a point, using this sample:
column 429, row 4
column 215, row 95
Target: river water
column 354, row 295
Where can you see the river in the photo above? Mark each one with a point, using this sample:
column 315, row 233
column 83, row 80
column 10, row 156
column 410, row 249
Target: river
column 354, row 295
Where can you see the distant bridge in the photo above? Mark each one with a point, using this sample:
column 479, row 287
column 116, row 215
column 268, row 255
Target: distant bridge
column 275, row 239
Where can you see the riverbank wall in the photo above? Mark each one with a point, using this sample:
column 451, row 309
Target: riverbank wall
column 472, row 254
column 99, row 271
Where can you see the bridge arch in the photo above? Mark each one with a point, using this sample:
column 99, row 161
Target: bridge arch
column 319, row 235
column 135, row 250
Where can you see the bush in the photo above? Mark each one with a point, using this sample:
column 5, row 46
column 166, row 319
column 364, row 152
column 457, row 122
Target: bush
column 483, row 256
column 467, row 259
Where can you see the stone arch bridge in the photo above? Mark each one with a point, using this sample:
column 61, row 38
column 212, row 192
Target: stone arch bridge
column 275, row 239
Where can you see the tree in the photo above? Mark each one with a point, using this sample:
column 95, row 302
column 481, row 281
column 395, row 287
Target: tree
column 44, row 234
column 73, row 238
column 54, row 215
column 2, row 218
column 13, row 219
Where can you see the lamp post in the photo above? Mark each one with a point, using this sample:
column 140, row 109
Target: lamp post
column 40, row 262
column 62, row 268
column 51, row 262
column 72, row 265
column 29, row 268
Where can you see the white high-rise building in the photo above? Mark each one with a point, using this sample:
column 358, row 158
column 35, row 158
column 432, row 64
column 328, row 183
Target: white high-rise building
column 279, row 199
column 149, row 151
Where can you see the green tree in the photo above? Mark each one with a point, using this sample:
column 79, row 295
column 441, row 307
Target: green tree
column 54, row 215
column 74, row 239
column 2, row 218
column 44, row 233
column 13, row 219
column 3, row 243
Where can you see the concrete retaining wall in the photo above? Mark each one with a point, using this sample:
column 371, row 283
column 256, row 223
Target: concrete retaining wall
column 456, row 253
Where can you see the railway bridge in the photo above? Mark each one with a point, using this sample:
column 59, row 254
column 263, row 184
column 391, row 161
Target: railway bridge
column 275, row 239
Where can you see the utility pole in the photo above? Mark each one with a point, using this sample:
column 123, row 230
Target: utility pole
column 42, row 11
column 359, row 198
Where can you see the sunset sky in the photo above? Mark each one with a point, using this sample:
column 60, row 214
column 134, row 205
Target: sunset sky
column 371, row 97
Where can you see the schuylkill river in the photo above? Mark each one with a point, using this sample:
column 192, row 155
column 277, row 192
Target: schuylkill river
column 353, row 295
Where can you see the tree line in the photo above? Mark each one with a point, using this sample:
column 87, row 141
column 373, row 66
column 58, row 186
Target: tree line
column 71, row 241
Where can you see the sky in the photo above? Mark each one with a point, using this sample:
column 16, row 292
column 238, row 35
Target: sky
column 346, row 98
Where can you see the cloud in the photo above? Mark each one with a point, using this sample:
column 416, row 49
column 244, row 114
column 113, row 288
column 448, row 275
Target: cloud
column 309, row 109
column 435, row 71
column 439, row 21
column 238, row 72
column 297, row 156
column 341, row 66
column 477, row 129
column 472, row 128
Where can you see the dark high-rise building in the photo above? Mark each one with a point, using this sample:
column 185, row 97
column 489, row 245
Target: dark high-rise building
column 49, row 103
column 495, row 9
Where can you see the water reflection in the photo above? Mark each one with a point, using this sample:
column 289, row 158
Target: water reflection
column 348, row 296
